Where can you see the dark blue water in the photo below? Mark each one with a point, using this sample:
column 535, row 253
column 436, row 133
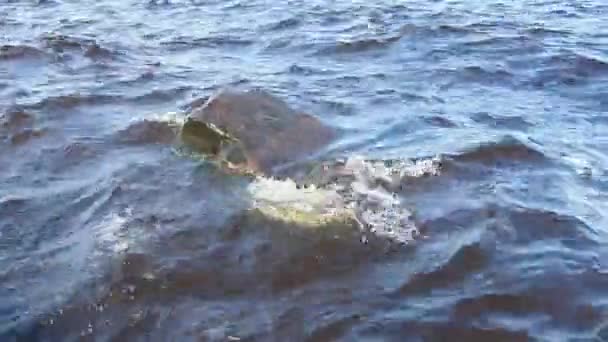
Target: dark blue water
column 107, row 233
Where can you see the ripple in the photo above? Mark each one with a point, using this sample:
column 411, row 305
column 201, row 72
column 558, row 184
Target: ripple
column 543, row 32
column 464, row 263
column 89, row 47
column 187, row 43
column 17, row 126
column 359, row 45
column 476, row 74
column 26, row 135
column 284, row 24
column 541, row 225
column 505, row 122
column 160, row 95
column 507, row 150
column 569, row 68
column 72, row 101
column 437, row 331
column 147, row 132
column 12, row 52
column 514, row 238
column 15, row 118
column 440, row 121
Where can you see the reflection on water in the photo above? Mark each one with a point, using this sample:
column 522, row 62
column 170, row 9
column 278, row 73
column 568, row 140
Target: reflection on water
column 491, row 113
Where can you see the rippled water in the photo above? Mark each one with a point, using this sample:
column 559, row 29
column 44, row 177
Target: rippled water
column 108, row 233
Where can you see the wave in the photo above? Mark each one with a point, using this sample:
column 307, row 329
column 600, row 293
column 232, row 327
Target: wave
column 440, row 121
column 89, row 47
column 507, row 150
column 504, row 122
column 360, row 45
column 147, row 132
column 72, row 101
column 568, row 68
column 13, row 52
column 160, row 95
column 284, row 24
column 532, row 225
column 185, row 43
column 543, row 32
column 467, row 261
column 478, row 74
column 444, row 331
column 17, row 127
column 15, row 118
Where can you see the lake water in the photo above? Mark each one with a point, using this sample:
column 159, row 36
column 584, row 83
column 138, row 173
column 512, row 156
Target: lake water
column 108, row 233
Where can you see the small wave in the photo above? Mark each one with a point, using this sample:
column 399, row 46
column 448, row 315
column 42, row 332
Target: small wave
column 12, row 52
column 147, row 132
column 302, row 70
column 360, row 45
column 196, row 103
column 17, row 126
column 14, row 119
column 89, row 47
column 26, row 135
column 452, row 29
column 509, row 150
column 284, row 24
column 464, row 263
column 184, row 43
column 61, row 43
column 439, row 31
column 570, row 69
column 440, row 121
column 513, row 44
column 478, row 74
column 338, row 107
column 95, row 51
column 160, row 95
column 420, row 330
column 546, row 32
column 589, row 65
column 541, row 225
column 72, row 101
column 554, row 301
column 507, row 122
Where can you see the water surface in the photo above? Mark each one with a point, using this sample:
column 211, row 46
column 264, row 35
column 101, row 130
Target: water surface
column 107, row 233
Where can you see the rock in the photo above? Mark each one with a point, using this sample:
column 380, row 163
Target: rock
column 262, row 131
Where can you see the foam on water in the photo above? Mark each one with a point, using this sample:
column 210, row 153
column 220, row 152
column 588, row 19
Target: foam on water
column 366, row 200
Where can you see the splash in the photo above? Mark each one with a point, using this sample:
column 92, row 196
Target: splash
column 365, row 200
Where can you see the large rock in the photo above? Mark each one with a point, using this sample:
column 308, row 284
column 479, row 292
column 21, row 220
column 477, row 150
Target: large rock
column 261, row 131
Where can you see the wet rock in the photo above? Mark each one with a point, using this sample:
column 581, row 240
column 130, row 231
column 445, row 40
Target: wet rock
column 270, row 133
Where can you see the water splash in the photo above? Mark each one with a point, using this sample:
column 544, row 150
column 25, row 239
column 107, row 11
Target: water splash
column 365, row 200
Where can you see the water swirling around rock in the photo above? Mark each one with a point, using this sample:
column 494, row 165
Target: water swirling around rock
column 109, row 232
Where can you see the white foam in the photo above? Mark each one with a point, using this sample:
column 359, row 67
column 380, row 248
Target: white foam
column 367, row 198
column 109, row 233
column 173, row 118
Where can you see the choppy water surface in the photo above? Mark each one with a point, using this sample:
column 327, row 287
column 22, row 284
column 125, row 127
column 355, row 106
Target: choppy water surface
column 107, row 233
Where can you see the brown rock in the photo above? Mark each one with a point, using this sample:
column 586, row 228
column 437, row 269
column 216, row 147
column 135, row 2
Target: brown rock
column 269, row 131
